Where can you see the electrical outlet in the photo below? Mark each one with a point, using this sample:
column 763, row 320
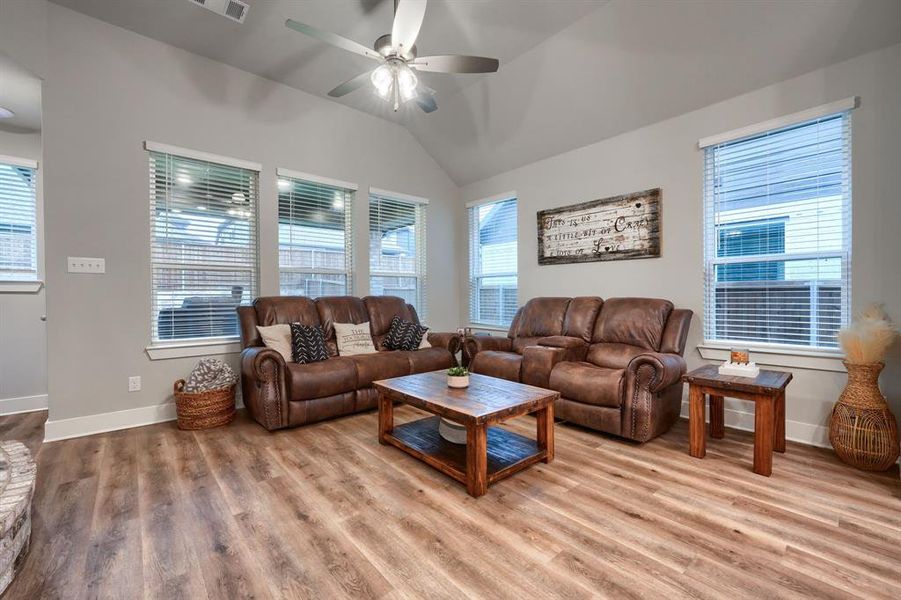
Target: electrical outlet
column 134, row 383
column 82, row 264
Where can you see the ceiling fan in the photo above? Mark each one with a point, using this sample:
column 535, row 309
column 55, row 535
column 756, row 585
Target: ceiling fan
column 395, row 79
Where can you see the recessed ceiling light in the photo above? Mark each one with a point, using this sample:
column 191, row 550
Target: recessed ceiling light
column 5, row 113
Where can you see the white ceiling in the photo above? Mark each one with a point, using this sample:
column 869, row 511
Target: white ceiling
column 20, row 92
column 572, row 72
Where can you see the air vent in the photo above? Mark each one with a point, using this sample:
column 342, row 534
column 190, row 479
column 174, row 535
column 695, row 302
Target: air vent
column 233, row 9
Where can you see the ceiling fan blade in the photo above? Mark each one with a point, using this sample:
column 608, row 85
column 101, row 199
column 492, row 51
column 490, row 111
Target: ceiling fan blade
column 455, row 63
column 426, row 102
column 350, row 85
column 333, row 39
column 408, row 15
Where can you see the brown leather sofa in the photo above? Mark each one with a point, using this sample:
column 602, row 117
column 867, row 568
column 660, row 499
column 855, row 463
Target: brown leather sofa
column 279, row 394
column 617, row 363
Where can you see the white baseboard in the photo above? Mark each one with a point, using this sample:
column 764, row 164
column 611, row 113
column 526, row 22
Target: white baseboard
column 24, row 404
column 63, row 429
column 796, row 431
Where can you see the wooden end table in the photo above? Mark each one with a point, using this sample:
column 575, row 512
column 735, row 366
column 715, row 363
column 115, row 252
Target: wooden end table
column 490, row 453
column 767, row 391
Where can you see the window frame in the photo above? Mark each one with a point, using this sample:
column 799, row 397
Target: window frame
column 786, row 354
column 200, row 346
column 349, row 254
column 474, row 247
column 33, row 281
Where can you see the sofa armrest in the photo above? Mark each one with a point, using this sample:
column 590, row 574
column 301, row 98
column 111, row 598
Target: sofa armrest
column 474, row 344
column 263, row 386
column 452, row 341
column 667, row 369
column 563, row 341
column 539, row 361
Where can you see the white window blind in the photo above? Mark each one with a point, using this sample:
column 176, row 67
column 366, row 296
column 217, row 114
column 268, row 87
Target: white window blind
column 492, row 263
column 18, row 222
column 315, row 238
column 397, row 258
column 778, row 235
column 203, row 219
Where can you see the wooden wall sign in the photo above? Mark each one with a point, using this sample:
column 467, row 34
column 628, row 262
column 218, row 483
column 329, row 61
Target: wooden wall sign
column 617, row 228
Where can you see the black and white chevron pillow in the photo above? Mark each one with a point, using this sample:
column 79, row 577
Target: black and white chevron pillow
column 404, row 335
column 307, row 343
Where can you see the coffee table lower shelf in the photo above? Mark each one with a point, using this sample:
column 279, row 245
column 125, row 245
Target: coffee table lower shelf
column 508, row 452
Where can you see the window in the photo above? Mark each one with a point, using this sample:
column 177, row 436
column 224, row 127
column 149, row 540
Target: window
column 777, row 222
column 203, row 214
column 397, row 261
column 18, row 220
column 492, row 262
column 315, row 237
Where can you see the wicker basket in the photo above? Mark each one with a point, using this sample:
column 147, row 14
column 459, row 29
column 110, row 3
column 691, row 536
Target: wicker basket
column 204, row 410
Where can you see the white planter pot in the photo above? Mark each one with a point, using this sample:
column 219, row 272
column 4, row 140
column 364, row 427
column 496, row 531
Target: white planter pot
column 458, row 382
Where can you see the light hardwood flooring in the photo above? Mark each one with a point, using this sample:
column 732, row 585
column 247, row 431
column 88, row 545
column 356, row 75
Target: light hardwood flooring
column 324, row 511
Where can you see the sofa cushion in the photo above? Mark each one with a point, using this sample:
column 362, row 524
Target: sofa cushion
column 634, row 321
column 382, row 309
column 541, row 317
column 319, row 379
column 588, row 383
column 278, row 337
column 520, row 343
column 429, row 359
column 307, row 344
column 352, row 338
column 339, row 309
column 497, row 363
column 380, row 365
column 613, row 356
column 581, row 316
column 404, row 335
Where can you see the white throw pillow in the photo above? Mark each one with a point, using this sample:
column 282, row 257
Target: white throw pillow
column 278, row 337
column 353, row 339
column 425, row 340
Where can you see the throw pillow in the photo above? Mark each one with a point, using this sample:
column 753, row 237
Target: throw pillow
column 353, row 339
column 307, row 343
column 404, row 335
column 425, row 340
column 278, row 337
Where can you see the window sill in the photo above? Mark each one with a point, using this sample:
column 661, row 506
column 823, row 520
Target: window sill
column 493, row 328
column 20, row 287
column 813, row 360
column 189, row 349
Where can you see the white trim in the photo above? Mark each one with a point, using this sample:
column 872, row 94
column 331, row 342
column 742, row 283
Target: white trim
column 397, row 196
column 187, row 349
column 21, row 287
column 493, row 328
column 282, row 172
column 492, row 199
column 780, row 357
column 780, row 122
column 23, row 404
column 795, row 431
column 18, row 162
column 200, row 155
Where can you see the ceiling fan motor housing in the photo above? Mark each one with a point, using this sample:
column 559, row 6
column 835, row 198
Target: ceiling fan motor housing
column 384, row 47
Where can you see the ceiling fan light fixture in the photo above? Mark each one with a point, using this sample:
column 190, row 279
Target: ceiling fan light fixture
column 383, row 80
column 5, row 113
column 406, row 82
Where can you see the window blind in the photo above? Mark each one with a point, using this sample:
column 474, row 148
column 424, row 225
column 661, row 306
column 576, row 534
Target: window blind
column 18, row 222
column 778, row 235
column 203, row 255
column 315, row 238
column 492, row 263
column 397, row 255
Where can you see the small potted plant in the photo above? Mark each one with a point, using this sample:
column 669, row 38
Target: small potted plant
column 457, row 377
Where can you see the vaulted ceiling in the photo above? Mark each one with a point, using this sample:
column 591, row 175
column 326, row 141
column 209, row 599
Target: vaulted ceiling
column 572, row 72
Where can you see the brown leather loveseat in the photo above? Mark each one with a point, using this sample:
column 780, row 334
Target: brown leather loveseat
column 279, row 394
column 616, row 363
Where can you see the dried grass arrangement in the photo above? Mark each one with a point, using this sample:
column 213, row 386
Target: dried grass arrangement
column 863, row 430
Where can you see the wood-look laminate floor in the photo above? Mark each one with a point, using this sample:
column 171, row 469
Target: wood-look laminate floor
column 324, row 511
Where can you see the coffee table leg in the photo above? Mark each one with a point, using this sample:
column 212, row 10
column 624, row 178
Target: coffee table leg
column 779, row 432
column 717, row 417
column 546, row 431
column 476, row 460
column 763, row 436
column 696, row 441
column 386, row 417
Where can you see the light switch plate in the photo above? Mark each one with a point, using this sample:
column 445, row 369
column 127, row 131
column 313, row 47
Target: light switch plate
column 134, row 383
column 82, row 264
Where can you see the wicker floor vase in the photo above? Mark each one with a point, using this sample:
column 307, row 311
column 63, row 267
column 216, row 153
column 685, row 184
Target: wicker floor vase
column 863, row 430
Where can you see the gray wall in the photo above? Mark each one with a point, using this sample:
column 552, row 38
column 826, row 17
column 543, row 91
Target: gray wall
column 106, row 90
column 666, row 155
column 23, row 336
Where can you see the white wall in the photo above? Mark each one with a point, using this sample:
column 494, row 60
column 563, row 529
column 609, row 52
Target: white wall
column 666, row 155
column 23, row 336
column 106, row 90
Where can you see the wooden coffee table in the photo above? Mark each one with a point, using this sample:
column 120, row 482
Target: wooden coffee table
column 490, row 453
